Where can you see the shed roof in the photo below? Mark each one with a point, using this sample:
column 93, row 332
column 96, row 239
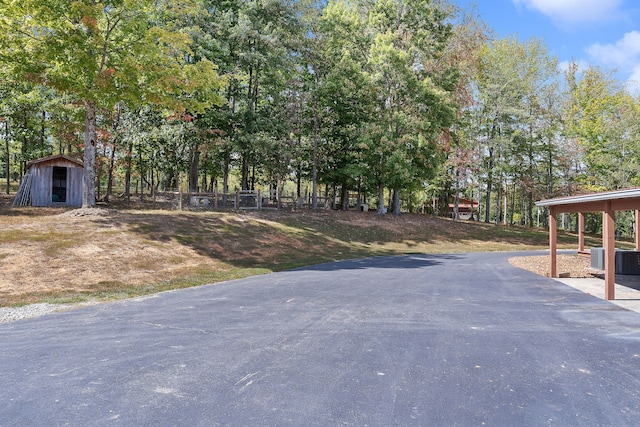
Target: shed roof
column 55, row 157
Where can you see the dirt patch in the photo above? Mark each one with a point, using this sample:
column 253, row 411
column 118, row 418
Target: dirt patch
column 89, row 213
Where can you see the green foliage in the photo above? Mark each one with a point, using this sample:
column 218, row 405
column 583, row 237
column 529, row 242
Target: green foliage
column 100, row 54
column 389, row 123
column 516, row 118
column 373, row 96
column 602, row 118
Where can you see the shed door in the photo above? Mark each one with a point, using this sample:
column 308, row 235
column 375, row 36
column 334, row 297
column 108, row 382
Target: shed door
column 59, row 188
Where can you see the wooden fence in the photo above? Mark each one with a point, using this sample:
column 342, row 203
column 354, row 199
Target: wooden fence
column 240, row 199
column 249, row 199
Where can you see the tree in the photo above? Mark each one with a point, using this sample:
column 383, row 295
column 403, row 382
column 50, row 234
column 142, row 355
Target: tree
column 25, row 123
column 462, row 52
column 102, row 53
column 345, row 96
column 515, row 117
column 602, row 119
column 399, row 45
column 414, row 91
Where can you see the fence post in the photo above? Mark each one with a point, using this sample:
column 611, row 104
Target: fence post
column 237, row 206
column 215, row 197
column 259, row 201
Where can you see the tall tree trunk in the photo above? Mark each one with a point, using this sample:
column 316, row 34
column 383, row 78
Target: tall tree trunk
column 334, row 196
column 225, row 179
column 344, row 196
column 142, row 172
column 153, row 185
column 530, row 208
column 314, row 191
column 381, row 198
column 8, row 158
column 127, row 174
column 244, row 183
column 498, row 203
column 114, row 145
column 456, row 197
column 194, row 161
column 25, row 145
column 88, row 188
column 299, row 181
column 487, row 203
column 396, row 202
column 203, row 183
column 112, row 161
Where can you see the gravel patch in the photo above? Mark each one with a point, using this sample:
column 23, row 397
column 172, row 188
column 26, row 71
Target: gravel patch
column 568, row 265
column 11, row 314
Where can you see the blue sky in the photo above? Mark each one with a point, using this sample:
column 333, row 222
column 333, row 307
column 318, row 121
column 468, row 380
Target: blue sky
column 605, row 33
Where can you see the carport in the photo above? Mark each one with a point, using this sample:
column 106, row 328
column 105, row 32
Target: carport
column 607, row 203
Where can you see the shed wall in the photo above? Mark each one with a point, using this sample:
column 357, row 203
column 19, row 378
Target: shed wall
column 42, row 184
column 74, row 186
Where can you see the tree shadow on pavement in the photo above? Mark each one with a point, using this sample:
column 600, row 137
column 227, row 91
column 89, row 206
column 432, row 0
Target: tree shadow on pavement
column 400, row 261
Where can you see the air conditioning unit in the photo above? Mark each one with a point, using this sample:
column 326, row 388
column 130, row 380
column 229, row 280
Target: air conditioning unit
column 628, row 262
column 597, row 258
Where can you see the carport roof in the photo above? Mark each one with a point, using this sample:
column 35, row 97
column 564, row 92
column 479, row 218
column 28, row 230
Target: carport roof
column 619, row 200
column 586, row 198
column 608, row 202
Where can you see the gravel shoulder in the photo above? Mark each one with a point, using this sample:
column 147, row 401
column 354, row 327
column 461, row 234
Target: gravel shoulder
column 11, row 314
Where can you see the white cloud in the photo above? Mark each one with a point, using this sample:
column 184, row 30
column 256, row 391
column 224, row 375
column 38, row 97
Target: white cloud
column 571, row 12
column 624, row 53
column 623, row 56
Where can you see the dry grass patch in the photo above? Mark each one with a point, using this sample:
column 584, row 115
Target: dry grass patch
column 75, row 255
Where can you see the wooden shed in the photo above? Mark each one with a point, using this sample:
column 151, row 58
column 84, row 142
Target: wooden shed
column 54, row 181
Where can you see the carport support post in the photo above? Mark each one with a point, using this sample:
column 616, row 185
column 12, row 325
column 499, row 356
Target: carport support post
column 638, row 230
column 580, row 231
column 608, row 237
column 552, row 242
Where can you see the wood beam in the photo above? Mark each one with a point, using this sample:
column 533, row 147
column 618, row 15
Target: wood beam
column 581, row 231
column 597, row 206
column 625, row 204
column 638, row 230
column 608, row 242
column 553, row 248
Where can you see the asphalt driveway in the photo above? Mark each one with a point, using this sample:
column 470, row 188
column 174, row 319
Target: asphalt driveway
column 428, row 340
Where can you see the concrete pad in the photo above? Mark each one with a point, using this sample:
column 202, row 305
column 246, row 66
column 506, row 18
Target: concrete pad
column 626, row 297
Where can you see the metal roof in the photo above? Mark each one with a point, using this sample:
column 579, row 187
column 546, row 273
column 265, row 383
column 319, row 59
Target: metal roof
column 588, row 198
